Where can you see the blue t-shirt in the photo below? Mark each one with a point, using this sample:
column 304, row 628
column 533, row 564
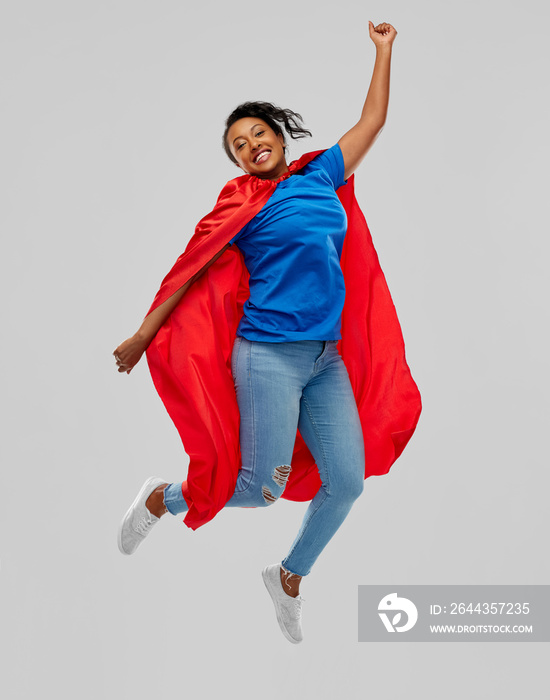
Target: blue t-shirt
column 292, row 250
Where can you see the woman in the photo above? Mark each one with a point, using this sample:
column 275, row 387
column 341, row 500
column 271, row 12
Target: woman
column 289, row 226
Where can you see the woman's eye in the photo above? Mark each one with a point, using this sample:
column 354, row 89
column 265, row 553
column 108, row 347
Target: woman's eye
column 259, row 133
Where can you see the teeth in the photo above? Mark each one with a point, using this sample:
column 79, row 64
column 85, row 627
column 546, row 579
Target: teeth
column 262, row 156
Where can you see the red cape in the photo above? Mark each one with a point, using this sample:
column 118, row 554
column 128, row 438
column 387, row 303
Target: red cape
column 190, row 357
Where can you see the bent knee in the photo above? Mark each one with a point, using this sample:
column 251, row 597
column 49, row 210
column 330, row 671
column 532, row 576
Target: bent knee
column 279, row 477
column 349, row 490
column 358, row 489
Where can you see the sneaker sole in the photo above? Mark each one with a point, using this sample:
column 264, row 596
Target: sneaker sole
column 268, row 585
column 145, row 486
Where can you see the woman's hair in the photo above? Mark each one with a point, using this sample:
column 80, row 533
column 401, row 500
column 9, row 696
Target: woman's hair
column 272, row 115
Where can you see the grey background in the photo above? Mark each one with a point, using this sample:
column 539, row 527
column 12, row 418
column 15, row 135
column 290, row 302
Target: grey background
column 112, row 117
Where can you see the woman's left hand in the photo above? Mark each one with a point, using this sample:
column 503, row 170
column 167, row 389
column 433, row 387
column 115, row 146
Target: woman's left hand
column 128, row 353
column 383, row 34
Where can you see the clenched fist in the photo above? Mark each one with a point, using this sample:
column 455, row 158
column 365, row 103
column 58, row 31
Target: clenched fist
column 129, row 353
column 382, row 34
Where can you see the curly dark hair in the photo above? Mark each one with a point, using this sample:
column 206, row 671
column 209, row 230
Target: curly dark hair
column 272, row 115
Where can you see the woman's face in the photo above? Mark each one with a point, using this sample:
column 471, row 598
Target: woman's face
column 257, row 149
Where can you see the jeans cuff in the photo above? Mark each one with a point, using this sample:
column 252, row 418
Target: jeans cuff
column 174, row 500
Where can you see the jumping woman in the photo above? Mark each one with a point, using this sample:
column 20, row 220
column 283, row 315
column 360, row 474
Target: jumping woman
column 274, row 344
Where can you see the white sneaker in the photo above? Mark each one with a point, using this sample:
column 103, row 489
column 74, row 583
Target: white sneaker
column 138, row 521
column 288, row 609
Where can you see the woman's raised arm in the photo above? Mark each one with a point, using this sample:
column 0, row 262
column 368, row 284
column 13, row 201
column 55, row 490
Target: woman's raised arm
column 357, row 141
column 129, row 353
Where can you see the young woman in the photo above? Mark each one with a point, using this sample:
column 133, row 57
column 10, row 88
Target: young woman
column 289, row 227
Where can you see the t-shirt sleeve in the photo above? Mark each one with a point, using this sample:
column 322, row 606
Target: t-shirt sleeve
column 332, row 162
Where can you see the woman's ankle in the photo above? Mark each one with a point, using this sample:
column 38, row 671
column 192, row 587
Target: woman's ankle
column 155, row 503
column 290, row 583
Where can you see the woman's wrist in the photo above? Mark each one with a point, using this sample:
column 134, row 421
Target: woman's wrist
column 144, row 336
column 384, row 49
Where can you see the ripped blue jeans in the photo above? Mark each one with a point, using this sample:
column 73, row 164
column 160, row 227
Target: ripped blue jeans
column 282, row 387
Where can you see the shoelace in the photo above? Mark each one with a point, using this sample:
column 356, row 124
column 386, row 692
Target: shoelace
column 298, row 607
column 144, row 525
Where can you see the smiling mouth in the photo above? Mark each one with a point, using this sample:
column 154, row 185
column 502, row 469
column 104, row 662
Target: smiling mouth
column 264, row 155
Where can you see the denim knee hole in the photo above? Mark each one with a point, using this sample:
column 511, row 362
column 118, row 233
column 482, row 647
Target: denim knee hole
column 280, row 477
